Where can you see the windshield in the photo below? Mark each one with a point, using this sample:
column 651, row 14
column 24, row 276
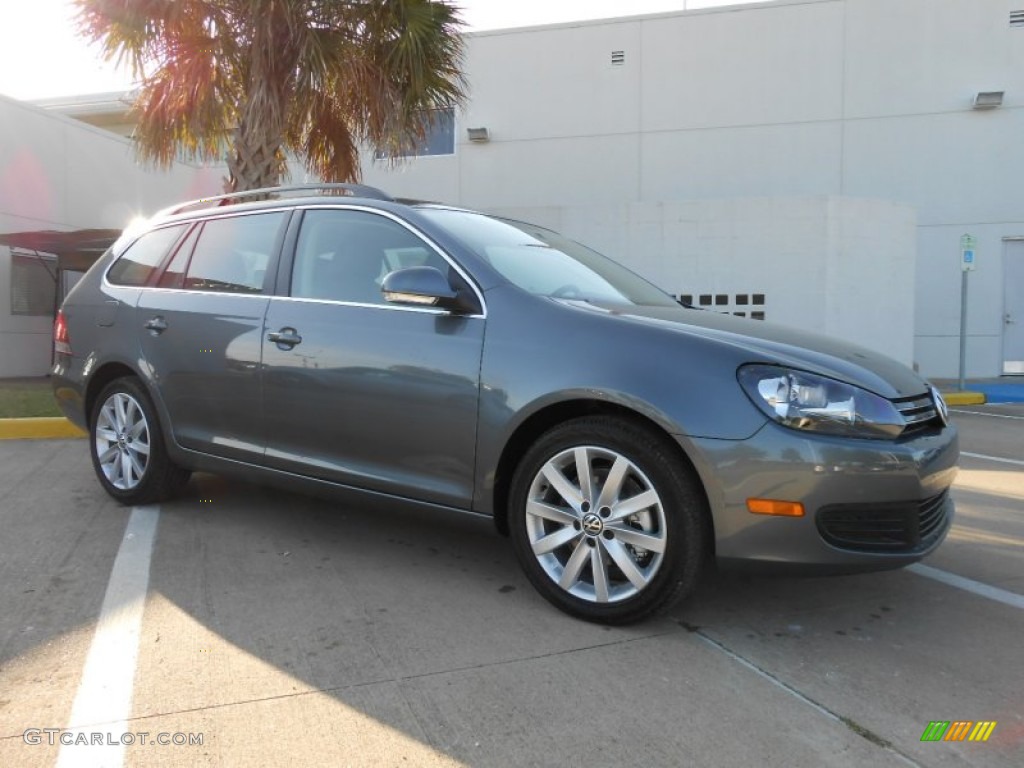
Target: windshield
column 545, row 263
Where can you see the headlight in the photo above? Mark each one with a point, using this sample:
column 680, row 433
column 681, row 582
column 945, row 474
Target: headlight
column 802, row 400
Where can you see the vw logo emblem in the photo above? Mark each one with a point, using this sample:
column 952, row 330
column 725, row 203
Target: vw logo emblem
column 940, row 406
column 592, row 525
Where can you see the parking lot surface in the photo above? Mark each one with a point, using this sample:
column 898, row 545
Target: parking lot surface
column 246, row 626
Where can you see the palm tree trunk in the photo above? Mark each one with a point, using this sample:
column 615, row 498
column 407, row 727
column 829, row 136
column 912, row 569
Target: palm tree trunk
column 256, row 160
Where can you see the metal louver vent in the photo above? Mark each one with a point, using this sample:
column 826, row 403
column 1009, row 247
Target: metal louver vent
column 1017, row 18
column 619, row 57
column 750, row 305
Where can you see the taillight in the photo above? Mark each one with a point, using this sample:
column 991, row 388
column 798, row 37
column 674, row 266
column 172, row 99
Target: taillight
column 61, row 339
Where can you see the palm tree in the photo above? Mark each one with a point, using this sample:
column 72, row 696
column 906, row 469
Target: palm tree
column 252, row 79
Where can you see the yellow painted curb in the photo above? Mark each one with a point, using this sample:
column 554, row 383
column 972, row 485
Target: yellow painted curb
column 964, row 398
column 38, row 428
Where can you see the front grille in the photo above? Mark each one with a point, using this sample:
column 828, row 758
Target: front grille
column 899, row 527
column 918, row 412
column 930, row 517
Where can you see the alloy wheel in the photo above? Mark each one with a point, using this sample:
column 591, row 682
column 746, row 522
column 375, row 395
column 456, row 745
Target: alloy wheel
column 122, row 441
column 596, row 524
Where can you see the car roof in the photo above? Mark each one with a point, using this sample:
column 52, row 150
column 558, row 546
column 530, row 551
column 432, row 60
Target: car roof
column 314, row 195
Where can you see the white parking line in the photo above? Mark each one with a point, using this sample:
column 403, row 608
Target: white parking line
column 1000, row 459
column 990, row 415
column 977, row 587
column 104, row 699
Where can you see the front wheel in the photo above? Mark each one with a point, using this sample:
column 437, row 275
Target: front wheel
column 606, row 520
column 127, row 446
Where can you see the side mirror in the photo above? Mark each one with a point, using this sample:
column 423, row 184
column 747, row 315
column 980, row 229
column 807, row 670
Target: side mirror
column 422, row 287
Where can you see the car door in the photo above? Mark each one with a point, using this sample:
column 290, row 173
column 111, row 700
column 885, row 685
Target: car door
column 359, row 391
column 201, row 327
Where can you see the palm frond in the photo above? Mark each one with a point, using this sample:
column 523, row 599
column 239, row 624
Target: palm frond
column 257, row 78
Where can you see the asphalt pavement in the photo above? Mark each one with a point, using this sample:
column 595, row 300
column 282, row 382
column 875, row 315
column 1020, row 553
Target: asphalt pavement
column 245, row 626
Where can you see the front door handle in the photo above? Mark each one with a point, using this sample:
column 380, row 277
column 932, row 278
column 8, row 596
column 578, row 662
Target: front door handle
column 1008, row 319
column 286, row 338
column 156, row 325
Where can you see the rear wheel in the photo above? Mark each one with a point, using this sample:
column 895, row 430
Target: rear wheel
column 127, row 446
column 605, row 520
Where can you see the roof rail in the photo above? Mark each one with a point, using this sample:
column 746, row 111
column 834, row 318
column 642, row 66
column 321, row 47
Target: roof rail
column 352, row 190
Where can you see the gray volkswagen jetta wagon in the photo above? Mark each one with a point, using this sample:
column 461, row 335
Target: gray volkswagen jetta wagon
column 391, row 352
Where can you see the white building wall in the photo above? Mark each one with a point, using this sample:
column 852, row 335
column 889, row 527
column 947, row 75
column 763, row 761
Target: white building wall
column 913, row 67
column 845, row 99
column 59, row 174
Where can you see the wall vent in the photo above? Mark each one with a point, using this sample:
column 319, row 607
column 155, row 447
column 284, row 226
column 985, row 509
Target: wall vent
column 619, row 57
column 750, row 305
column 1017, row 18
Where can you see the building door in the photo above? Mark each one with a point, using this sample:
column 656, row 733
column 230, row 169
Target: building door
column 1013, row 307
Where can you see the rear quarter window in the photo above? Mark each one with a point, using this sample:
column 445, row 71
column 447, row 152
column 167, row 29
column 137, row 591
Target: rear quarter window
column 138, row 263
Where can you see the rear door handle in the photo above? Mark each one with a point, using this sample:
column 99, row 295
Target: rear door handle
column 286, row 338
column 156, row 325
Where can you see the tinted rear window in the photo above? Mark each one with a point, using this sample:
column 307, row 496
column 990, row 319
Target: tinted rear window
column 232, row 254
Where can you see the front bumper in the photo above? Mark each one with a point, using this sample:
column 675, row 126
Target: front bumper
column 869, row 504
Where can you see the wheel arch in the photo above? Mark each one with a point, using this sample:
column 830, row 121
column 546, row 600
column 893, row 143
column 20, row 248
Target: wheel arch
column 160, row 478
column 549, row 416
column 103, row 375
column 117, row 369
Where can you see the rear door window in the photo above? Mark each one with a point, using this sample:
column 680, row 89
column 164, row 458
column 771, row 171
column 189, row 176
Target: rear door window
column 174, row 273
column 137, row 264
column 232, row 254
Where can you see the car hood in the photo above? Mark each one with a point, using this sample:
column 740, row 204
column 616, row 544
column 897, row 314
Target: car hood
column 763, row 342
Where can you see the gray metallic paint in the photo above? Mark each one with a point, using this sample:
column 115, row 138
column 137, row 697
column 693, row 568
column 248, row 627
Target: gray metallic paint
column 406, row 423
column 431, row 399
column 206, row 367
column 818, row 471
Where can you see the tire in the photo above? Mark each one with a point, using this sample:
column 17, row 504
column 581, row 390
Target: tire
column 617, row 549
column 127, row 446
